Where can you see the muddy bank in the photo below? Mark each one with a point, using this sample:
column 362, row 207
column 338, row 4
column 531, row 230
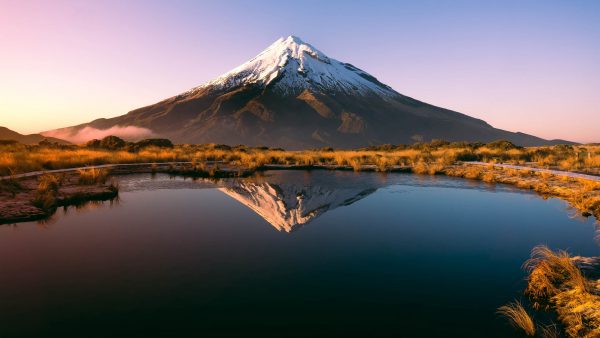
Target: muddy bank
column 19, row 197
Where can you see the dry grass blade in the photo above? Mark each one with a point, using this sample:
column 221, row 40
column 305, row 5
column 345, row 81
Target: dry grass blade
column 549, row 331
column 548, row 269
column 518, row 317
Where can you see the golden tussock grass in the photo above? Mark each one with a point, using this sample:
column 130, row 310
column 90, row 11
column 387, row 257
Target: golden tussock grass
column 47, row 191
column 92, row 176
column 555, row 282
column 21, row 158
column 518, row 317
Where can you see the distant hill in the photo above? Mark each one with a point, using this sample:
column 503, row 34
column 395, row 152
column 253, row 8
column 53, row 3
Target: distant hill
column 7, row 134
column 292, row 95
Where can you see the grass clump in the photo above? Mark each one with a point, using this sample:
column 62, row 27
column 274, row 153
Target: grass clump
column 518, row 317
column 47, row 192
column 92, row 176
column 423, row 167
column 555, row 282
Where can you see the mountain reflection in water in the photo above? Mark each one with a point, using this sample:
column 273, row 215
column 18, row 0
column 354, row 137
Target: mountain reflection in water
column 290, row 199
column 289, row 204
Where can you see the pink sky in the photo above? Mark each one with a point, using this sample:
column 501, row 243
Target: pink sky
column 525, row 66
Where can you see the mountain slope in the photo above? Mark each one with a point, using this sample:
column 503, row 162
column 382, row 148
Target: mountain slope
column 7, row 134
column 293, row 96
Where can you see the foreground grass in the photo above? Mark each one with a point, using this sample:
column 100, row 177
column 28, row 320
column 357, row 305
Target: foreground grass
column 518, row 317
column 556, row 283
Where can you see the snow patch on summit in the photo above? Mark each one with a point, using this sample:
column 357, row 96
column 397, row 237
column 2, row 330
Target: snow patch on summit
column 292, row 66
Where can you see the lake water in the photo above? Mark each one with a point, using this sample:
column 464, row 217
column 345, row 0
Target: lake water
column 285, row 253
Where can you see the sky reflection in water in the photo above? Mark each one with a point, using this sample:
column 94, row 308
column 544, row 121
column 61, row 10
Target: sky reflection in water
column 287, row 253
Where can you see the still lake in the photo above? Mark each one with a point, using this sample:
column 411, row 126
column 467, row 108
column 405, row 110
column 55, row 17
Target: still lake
column 280, row 254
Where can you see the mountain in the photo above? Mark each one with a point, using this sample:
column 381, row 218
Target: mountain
column 7, row 134
column 292, row 95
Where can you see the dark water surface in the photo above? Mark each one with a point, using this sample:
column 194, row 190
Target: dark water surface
column 290, row 253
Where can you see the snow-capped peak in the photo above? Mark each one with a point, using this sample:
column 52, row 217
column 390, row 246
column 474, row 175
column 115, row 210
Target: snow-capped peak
column 297, row 66
column 295, row 48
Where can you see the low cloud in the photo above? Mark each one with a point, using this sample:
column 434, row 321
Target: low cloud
column 85, row 134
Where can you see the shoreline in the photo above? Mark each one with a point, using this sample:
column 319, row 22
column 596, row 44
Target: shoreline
column 546, row 182
column 540, row 170
column 24, row 200
column 365, row 167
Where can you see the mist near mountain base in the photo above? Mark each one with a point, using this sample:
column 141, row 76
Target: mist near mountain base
column 89, row 133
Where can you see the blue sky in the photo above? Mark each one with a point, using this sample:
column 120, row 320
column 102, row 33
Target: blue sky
column 531, row 66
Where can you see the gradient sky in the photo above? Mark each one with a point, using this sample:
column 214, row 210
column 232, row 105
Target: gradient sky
column 531, row 66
